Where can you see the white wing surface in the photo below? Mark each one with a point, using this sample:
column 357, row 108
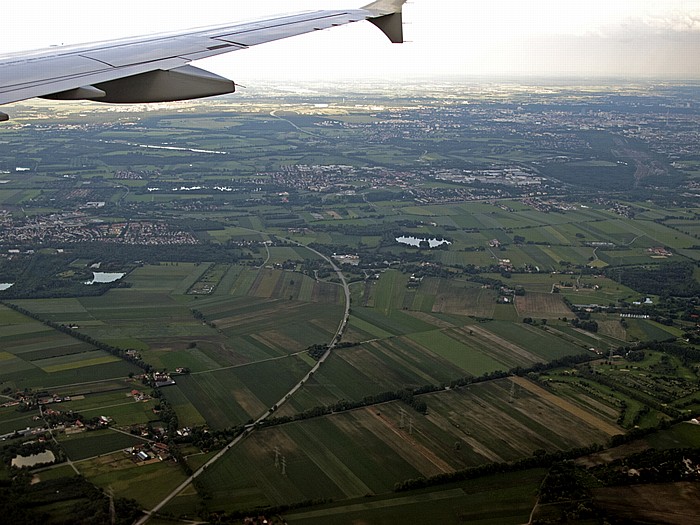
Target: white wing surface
column 156, row 68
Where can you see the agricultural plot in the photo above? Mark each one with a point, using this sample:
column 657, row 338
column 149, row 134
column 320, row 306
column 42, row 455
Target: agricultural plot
column 259, row 328
column 12, row 420
column 116, row 472
column 167, row 277
column 196, row 359
column 279, row 284
column 646, row 330
column 368, row 323
column 464, row 258
column 187, row 414
column 671, row 503
column 390, row 291
column 445, row 350
column 91, row 444
column 597, row 399
column 505, row 499
column 685, row 435
column 489, row 422
column 208, row 281
column 231, row 396
column 450, row 346
column 462, row 299
column 153, row 321
column 225, row 286
column 35, row 356
column 431, row 357
column 541, row 305
column 537, row 341
column 629, row 391
column 114, row 402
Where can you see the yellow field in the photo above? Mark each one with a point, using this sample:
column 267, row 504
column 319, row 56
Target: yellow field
column 80, row 364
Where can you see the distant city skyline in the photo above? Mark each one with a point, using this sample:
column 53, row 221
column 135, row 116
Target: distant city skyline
column 501, row 38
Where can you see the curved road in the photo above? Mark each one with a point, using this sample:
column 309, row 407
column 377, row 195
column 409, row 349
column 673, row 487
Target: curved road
column 251, row 428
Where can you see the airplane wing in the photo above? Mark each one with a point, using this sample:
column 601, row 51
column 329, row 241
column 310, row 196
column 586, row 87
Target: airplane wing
column 157, row 68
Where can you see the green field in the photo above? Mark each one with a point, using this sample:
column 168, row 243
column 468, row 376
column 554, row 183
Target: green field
column 490, row 421
column 97, row 443
column 506, row 499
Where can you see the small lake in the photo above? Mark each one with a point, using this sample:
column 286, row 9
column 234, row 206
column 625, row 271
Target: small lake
column 35, row 459
column 415, row 241
column 103, row 277
column 6, row 286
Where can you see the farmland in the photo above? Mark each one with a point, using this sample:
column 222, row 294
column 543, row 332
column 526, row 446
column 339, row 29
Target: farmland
column 557, row 312
column 507, row 499
column 463, row 428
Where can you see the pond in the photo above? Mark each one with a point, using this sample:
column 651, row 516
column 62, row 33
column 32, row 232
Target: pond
column 103, row 277
column 5, row 286
column 415, row 241
column 35, row 459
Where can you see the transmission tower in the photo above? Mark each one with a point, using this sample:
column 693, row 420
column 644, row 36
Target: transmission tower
column 402, row 423
column 277, row 457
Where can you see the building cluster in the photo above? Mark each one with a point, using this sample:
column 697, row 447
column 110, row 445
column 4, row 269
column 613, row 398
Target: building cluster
column 659, row 251
column 146, row 453
column 161, row 379
column 506, row 176
column 128, row 175
column 548, row 205
column 72, row 227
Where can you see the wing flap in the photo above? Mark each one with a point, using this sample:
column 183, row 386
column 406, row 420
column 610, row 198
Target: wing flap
column 34, row 71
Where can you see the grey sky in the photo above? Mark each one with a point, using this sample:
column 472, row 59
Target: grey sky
column 625, row 38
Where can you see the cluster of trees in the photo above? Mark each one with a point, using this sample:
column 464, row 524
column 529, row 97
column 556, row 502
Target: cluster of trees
column 316, row 351
column 206, row 439
column 12, row 450
column 79, row 503
column 563, row 483
column 687, row 354
column 590, row 325
column 565, row 492
column 669, row 279
column 197, row 314
column 42, row 276
column 650, row 466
